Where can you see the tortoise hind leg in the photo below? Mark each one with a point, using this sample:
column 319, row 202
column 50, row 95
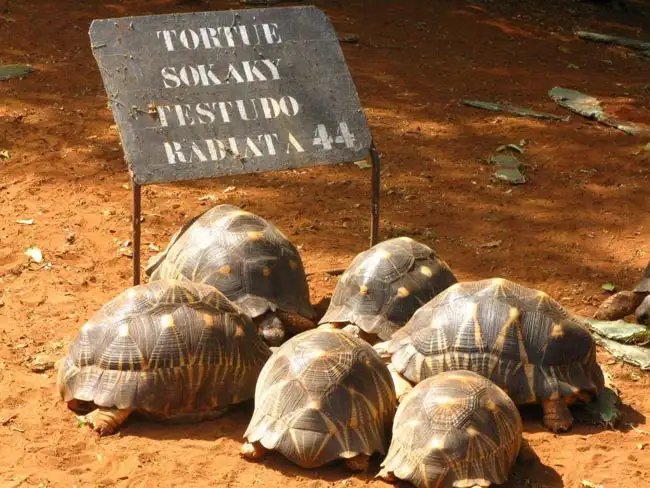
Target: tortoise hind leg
column 557, row 416
column 105, row 421
column 527, row 454
column 359, row 463
column 253, row 451
column 402, row 386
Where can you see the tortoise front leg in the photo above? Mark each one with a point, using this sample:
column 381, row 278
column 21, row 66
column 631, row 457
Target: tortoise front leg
column 359, row 463
column 105, row 421
column 253, row 451
column 557, row 416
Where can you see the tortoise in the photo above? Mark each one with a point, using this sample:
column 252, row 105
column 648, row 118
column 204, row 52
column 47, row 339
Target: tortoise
column 384, row 286
column 249, row 260
column 455, row 429
column 175, row 351
column 518, row 337
column 323, row 395
column 625, row 302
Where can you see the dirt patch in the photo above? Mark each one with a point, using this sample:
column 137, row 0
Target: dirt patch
column 582, row 219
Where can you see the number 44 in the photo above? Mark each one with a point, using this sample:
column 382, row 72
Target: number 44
column 343, row 136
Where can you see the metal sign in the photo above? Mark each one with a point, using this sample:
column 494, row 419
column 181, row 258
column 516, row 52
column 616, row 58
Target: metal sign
column 207, row 94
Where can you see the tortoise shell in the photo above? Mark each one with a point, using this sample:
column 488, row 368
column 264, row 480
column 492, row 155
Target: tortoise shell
column 242, row 255
column 454, row 429
column 385, row 285
column 323, row 395
column 167, row 349
column 644, row 285
column 520, row 338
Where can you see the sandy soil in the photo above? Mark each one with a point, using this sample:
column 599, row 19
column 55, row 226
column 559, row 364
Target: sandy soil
column 581, row 220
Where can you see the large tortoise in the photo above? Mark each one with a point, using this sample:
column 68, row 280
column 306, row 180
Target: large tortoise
column 249, row 260
column 323, row 395
column 455, row 429
column 384, row 286
column 520, row 338
column 175, row 351
column 625, row 302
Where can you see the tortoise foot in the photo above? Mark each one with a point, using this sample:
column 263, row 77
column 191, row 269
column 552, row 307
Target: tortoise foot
column 557, row 416
column 105, row 421
column 619, row 305
column 253, row 451
column 358, row 464
column 387, row 476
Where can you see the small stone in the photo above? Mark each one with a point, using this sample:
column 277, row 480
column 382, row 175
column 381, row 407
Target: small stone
column 40, row 364
column 71, row 237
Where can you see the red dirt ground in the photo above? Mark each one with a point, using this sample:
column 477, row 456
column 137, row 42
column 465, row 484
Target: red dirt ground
column 582, row 219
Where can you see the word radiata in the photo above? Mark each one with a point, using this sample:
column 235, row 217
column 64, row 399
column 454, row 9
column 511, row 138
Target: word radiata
column 215, row 150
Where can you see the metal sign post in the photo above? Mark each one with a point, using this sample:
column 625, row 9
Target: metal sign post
column 210, row 94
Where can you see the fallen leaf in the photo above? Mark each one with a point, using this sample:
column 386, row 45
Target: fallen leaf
column 514, row 147
column 208, row 197
column 609, row 286
column 8, row 71
column 153, row 247
column 363, row 164
column 229, row 189
column 4, row 154
column 34, row 253
column 491, row 244
column 349, row 38
column 25, row 221
column 589, row 484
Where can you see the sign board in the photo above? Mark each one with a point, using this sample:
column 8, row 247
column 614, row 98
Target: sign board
column 207, row 94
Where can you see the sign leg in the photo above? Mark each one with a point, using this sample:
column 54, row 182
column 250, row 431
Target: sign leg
column 137, row 200
column 376, row 187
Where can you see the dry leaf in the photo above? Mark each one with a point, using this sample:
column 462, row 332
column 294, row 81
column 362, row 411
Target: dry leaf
column 34, row 253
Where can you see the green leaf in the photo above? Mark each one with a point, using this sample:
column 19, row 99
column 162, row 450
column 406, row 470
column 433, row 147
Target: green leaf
column 609, row 286
column 8, row 71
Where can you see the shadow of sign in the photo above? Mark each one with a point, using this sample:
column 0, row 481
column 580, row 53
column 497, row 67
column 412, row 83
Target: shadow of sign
column 208, row 94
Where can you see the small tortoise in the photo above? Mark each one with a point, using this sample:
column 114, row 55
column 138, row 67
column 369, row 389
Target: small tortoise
column 175, row 351
column 323, row 395
column 625, row 302
column 384, row 286
column 456, row 429
column 520, row 338
column 249, row 260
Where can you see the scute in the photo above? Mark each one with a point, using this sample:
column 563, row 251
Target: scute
column 247, row 258
column 385, row 285
column 520, row 338
column 324, row 394
column 165, row 348
column 452, row 428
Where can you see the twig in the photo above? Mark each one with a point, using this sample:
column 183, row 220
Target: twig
column 332, row 272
